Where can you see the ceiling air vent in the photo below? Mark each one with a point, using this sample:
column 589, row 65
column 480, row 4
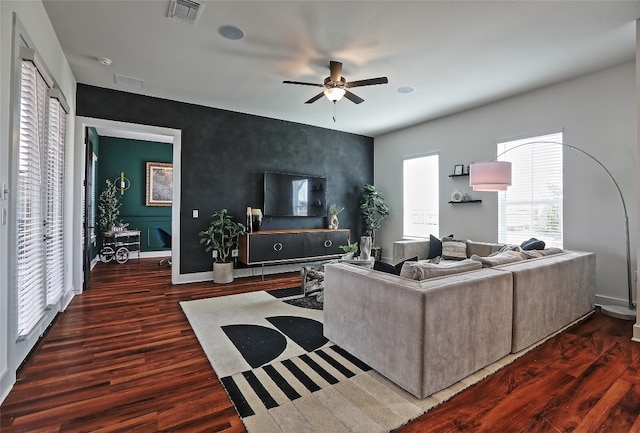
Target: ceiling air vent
column 185, row 10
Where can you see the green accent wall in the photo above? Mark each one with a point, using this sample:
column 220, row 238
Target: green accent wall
column 131, row 156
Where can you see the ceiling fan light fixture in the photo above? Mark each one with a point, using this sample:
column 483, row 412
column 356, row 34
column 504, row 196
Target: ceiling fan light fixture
column 334, row 94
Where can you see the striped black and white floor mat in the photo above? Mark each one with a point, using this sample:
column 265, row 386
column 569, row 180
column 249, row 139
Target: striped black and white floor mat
column 284, row 377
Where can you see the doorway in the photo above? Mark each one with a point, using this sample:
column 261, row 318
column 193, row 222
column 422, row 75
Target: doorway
column 85, row 187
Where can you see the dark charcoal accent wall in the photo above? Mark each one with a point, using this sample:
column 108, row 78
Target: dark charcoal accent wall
column 224, row 156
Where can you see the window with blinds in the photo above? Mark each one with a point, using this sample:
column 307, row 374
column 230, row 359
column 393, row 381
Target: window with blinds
column 532, row 205
column 40, row 180
column 421, row 198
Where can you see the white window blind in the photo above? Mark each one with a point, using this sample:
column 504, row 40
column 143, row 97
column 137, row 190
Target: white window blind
column 54, row 244
column 40, row 183
column 30, row 233
column 533, row 205
column 421, row 198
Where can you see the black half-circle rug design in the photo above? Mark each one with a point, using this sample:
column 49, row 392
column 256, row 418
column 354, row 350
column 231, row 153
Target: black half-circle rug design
column 260, row 345
column 305, row 332
column 257, row 344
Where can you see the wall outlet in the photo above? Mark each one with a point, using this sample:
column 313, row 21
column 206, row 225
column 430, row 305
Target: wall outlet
column 195, row 213
column 214, row 254
column 234, row 253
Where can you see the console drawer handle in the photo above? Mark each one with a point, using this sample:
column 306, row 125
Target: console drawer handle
column 328, row 243
column 277, row 246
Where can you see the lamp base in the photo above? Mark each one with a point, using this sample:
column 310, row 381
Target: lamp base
column 618, row 312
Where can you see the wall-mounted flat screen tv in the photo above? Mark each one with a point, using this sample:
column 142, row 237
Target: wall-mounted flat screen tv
column 287, row 194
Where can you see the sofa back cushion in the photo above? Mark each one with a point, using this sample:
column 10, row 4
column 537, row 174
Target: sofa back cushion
column 422, row 270
column 499, row 259
column 482, row 249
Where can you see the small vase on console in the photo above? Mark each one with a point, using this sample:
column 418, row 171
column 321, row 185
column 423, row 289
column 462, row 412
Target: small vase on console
column 365, row 248
column 256, row 220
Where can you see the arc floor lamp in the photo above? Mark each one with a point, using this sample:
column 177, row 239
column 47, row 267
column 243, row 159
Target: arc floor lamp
column 496, row 176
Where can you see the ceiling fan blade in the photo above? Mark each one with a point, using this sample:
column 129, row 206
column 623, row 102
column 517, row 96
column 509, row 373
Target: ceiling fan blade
column 353, row 98
column 303, row 83
column 315, row 98
column 336, row 71
column 369, row 82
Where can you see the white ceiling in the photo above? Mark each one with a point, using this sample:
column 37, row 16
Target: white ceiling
column 456, row 54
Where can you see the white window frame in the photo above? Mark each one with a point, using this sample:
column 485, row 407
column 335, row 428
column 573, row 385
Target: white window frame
column 532, row 207
column 421, row 196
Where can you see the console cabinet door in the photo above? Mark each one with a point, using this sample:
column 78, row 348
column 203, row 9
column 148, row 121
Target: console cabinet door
column 290, row 246
column 324, row 244
column 262, row 248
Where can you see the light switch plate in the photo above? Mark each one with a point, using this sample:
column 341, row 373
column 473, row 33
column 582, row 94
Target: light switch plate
column 195, row 213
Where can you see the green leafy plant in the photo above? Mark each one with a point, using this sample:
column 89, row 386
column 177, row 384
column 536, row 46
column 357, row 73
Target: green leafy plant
column 108, row 206
column 373, row 210
column 349, row 248
column 222, row 235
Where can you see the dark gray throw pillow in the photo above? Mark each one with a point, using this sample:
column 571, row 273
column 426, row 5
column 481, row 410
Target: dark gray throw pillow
column 384, row 267
column 435, row 247
column 532, row 244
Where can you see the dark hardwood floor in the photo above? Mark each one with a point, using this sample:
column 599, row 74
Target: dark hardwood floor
column 123, row 358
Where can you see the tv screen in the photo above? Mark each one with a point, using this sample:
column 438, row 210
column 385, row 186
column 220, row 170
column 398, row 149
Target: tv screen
column 287, row 194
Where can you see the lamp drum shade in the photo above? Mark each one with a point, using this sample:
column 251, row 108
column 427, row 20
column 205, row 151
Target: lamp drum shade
column 490, row 176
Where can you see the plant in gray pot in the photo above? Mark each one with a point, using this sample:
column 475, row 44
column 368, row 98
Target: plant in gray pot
column 222, row 237
column 373, row 211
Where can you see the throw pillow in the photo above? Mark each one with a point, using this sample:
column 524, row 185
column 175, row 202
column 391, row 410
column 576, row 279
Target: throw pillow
column 422, row 270
column 532, row 244
column 453, row 249
column 398, row 267
column 435, row 247
column 499, row 259
column 384, row 267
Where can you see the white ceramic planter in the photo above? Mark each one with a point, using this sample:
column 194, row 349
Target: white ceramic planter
column 223, row 273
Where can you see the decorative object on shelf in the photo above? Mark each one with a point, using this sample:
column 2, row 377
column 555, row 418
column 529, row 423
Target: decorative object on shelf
column 458, row 170
column 456, row 197
column 495, row 175
column 349, row 250
column 159, row 184
column 123, row 183
column 334, row 210
column 365, row 247
column 373, row 210
column 466, row 197
column 222, row 237
column 248, row 220
column 108, row 207
column 256, row 220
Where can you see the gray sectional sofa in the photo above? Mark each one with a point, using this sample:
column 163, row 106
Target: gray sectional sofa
column 426, row 335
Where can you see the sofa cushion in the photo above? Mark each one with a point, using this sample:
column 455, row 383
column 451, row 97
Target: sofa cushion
column 482, row 249
column 423, row 270
column 453, row 249
column 532, row 244
column 499, row 259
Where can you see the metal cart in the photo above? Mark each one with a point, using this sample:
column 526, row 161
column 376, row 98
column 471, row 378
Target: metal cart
column 117, row 245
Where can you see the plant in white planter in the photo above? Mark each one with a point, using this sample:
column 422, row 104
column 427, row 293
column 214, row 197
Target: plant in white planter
column 349, row 250
column 222, row 237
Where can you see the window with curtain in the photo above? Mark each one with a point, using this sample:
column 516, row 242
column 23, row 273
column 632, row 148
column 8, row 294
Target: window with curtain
column 532, row 206
column 40, row 180
column 421, row 208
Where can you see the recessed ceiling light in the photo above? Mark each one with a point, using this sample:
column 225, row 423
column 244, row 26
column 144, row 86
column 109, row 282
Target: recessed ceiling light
column 233, row 33
column 405, row 90
column 105, row 61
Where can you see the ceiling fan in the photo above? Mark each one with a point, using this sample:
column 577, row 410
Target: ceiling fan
column 335, row 86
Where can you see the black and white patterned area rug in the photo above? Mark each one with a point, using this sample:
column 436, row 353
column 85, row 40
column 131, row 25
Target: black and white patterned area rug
column 283, row 376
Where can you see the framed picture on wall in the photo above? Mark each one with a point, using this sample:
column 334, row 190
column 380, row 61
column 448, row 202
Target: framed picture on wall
column 159, row 184
column 458, row 169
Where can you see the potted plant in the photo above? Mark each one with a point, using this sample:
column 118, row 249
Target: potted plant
column 221, row 237
column 373, row 210
column 108, row 207
column 349, row 249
